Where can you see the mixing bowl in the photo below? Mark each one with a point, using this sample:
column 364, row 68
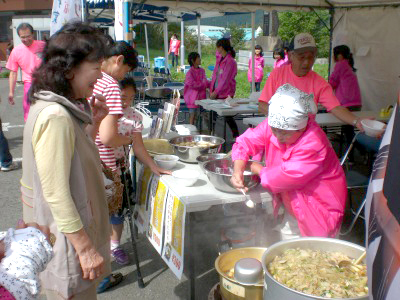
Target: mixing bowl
column 219, row 172
column 190, row 153
column 202, row 159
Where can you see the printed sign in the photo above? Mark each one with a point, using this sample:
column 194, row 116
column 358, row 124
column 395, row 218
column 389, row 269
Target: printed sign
column 173, row 249
column 63, row 12
column 156, row 226
column 142, row 210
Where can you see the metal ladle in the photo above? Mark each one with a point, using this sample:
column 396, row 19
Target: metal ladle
column 249, row 202
column 347, row 263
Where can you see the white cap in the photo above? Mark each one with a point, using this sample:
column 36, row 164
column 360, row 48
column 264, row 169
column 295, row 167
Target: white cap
column 301, row 41
column 289, row 108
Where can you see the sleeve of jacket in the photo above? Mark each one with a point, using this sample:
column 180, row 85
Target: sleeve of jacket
column 192, row 83
column 251, row 142
column 303, row 165
column 334, row 79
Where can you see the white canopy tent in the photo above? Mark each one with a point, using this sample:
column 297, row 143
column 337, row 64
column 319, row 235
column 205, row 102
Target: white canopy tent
column 369, row 27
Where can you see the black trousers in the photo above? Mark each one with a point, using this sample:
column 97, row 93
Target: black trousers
column 174, row 59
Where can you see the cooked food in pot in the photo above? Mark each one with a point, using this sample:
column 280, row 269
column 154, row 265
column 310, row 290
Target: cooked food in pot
column 196, row 144
column 318, row 273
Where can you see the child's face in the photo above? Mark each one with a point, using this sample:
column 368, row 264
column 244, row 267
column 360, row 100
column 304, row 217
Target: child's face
column 197, row 61
column 277, row 56
column 127, row 96
column 257, row 51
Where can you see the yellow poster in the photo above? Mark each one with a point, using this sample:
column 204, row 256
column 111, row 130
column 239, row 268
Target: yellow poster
column 158, row 208
column 177, row 222
column 144, row 184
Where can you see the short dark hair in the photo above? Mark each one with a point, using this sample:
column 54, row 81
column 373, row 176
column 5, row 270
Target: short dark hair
column 280, row 52
column 192, row 57
column 73, row 44
column 126, row 50
column 226, row 45
column 258, row 47
column 25, row 26
column 127, row 82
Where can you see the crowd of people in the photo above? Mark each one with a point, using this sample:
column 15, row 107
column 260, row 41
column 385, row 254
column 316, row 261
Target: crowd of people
column 78, row 111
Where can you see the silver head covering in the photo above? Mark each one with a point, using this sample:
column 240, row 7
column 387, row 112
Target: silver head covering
column 289, row 108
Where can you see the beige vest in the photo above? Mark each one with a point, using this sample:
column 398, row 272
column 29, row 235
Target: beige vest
column 63, row 274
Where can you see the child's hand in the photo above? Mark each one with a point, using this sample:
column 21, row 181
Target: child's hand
column 160, row 171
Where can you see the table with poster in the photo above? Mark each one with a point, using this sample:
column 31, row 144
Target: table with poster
column 166, row 214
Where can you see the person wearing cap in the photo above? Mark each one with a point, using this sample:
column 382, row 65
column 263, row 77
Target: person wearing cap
column 299, row 73
column 301, row 168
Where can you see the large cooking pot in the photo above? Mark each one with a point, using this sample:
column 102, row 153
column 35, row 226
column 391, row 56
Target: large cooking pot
column 230, row 288
column 190, row 153
column 273, row 290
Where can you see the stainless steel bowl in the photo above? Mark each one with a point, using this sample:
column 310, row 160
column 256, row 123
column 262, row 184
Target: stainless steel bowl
column 274, row 290
column 219, row 172
column 202, row 159
column 248, row 271
column 188, row 153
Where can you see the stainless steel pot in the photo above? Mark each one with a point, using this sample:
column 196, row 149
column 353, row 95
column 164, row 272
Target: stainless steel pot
column 189, row 154
column 219, row 172
column 273, row 290
column 230, row 288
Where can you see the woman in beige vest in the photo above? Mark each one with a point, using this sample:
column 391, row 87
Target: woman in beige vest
column 62, row 184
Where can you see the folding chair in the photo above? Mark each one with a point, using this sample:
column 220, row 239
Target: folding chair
column 355, row 180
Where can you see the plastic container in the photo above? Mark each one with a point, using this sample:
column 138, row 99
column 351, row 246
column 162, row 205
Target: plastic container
column 159, row 62
column 373, row 128
column 166, row 162
column 186, row 177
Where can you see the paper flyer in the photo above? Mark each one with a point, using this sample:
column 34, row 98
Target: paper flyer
column 156, row 226
column 140, row 213
column 175, row 215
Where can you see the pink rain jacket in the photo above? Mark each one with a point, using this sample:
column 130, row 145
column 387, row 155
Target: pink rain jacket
column 195, row 86
column 259, row 69
column 306, row 176
column 226, row 77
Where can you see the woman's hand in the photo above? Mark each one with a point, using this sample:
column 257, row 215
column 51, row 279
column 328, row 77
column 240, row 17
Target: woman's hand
column 92, row 263
column 99, row 108
column 159, row 171
column 237, row 181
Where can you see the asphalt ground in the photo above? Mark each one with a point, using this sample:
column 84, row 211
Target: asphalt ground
column 160, row 282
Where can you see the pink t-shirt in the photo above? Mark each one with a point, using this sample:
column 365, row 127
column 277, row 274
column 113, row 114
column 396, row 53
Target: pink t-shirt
column 26, row 58
column 173, row 45
column 312, row 83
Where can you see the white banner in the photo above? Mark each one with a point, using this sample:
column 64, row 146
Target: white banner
column 63, row 12
column 118, row 23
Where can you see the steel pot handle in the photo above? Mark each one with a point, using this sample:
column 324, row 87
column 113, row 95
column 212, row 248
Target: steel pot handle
column 224, row 244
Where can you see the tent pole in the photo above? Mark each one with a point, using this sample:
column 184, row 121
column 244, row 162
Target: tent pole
column 332, row 14
column 127, row 21
column 166, row 43
column 147, row 45
column 198, row 34
column 182, row 42
column 84, row 11
column 253, row 18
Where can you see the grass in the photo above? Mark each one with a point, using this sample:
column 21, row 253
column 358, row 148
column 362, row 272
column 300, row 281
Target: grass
column 242, row 84
column 4, row 74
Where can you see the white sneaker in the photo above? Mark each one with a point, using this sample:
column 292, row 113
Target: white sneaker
column 11, row 167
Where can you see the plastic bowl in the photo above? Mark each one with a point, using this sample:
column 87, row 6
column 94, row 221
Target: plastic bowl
column 373, row 128
column 166, row 162
column 186, row 177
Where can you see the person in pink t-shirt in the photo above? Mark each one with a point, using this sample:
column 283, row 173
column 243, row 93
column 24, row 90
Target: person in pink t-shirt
column 299, row 74
column 27, row 57
column 174, row 45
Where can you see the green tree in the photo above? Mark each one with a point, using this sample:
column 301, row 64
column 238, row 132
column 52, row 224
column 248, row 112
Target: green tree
column 292, row 23
column 237, row 36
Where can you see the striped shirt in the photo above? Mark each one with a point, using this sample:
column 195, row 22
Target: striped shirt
column 108, row 87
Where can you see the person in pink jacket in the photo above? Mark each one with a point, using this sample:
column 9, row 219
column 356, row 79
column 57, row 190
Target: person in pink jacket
column 174, row 45
column 223, row 83
column 259, row 68
column 279, row 57
column 195, row 85
column 301, row 169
